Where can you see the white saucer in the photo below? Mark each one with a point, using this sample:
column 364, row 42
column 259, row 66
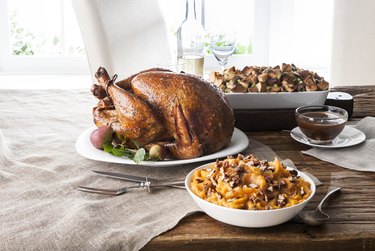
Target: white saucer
column 348, row 137
column 84, row 147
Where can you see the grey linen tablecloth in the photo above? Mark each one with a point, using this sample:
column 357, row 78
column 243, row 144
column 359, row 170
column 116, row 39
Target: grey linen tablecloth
column 40, row 207
column 360, row 157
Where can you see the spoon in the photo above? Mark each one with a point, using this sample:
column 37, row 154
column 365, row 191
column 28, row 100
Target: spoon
column 317, row 216
column 297, row 135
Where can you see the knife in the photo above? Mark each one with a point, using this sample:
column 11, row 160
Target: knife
column 133, row 178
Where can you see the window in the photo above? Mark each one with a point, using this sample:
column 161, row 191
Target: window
column 40, row 36
column 214, row 13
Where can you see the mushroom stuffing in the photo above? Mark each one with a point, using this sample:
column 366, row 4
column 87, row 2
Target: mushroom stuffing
column 287, row 78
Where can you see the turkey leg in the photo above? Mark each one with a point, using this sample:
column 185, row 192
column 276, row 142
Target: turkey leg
column 139, row 122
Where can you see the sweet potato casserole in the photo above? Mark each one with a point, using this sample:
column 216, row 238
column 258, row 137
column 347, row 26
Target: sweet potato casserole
column 246, row 182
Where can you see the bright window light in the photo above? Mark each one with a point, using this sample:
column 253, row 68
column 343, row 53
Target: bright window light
column 216, row 12
column 239, row 13
column 43, row 28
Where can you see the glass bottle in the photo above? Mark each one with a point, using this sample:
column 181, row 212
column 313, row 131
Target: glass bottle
column 190, row 43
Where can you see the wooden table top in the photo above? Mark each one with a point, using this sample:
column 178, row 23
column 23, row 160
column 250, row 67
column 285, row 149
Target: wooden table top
column 352, row 211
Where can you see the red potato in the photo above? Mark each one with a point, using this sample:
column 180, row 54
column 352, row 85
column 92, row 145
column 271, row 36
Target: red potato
column 101, row 136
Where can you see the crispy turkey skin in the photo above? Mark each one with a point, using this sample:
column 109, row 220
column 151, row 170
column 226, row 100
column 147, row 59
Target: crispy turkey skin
column 183, row 112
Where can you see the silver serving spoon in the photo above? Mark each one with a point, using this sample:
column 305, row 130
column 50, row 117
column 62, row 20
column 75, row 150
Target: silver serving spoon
column 297, row 135
column 317, row 216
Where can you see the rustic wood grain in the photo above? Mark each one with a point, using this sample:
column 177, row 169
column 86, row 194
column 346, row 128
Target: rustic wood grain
column 352, row 211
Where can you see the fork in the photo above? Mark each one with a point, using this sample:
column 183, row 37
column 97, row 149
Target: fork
column 147, row 184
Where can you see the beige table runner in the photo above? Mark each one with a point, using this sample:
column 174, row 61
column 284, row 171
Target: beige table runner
column 40, row 207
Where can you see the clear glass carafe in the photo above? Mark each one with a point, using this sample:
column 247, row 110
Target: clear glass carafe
column 190, row 43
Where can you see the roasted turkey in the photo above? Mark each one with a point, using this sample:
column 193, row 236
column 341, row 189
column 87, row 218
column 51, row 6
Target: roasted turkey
column 182, row 112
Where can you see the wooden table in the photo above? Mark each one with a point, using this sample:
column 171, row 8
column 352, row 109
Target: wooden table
column 352, row 223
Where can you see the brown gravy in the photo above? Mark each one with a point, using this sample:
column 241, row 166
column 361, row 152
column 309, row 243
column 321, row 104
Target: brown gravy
column 321, row 130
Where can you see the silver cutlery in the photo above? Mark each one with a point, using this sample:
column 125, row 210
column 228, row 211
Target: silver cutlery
column 147, row 184
column 317, row 216
column 297, row 135
column 133, row 178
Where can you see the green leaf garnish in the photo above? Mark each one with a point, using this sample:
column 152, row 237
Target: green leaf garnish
column 139, row 155
column 119, row 151
column 107, row 148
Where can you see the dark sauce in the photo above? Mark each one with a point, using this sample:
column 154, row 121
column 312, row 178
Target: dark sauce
column 325, row 127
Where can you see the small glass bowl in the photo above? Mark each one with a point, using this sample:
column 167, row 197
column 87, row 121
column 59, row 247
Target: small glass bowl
column 321, row 124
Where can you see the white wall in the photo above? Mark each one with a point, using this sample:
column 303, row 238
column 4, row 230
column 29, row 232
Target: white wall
column 353, row 46
column 301, row 33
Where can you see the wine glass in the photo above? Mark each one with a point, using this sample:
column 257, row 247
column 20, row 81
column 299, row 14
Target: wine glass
column 223, row 45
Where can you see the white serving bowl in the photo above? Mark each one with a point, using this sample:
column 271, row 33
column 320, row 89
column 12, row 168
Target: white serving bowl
column 276, row 100
column 249, row 218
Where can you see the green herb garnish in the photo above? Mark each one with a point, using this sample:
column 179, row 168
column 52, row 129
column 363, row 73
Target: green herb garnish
column 139, row 155
column 119, row 151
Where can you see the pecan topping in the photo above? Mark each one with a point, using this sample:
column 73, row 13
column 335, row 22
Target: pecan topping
column 211, row 173
column 294, row 173
column 218, row 196
column 226, row 164
column 268, row 178
column 281, row 200
column 199, row 180
column 213, row 182
column 254, row 199
column 292, row 179
column 269, row 195
column 231, row 183
column 265, row 198
column 252, row 185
